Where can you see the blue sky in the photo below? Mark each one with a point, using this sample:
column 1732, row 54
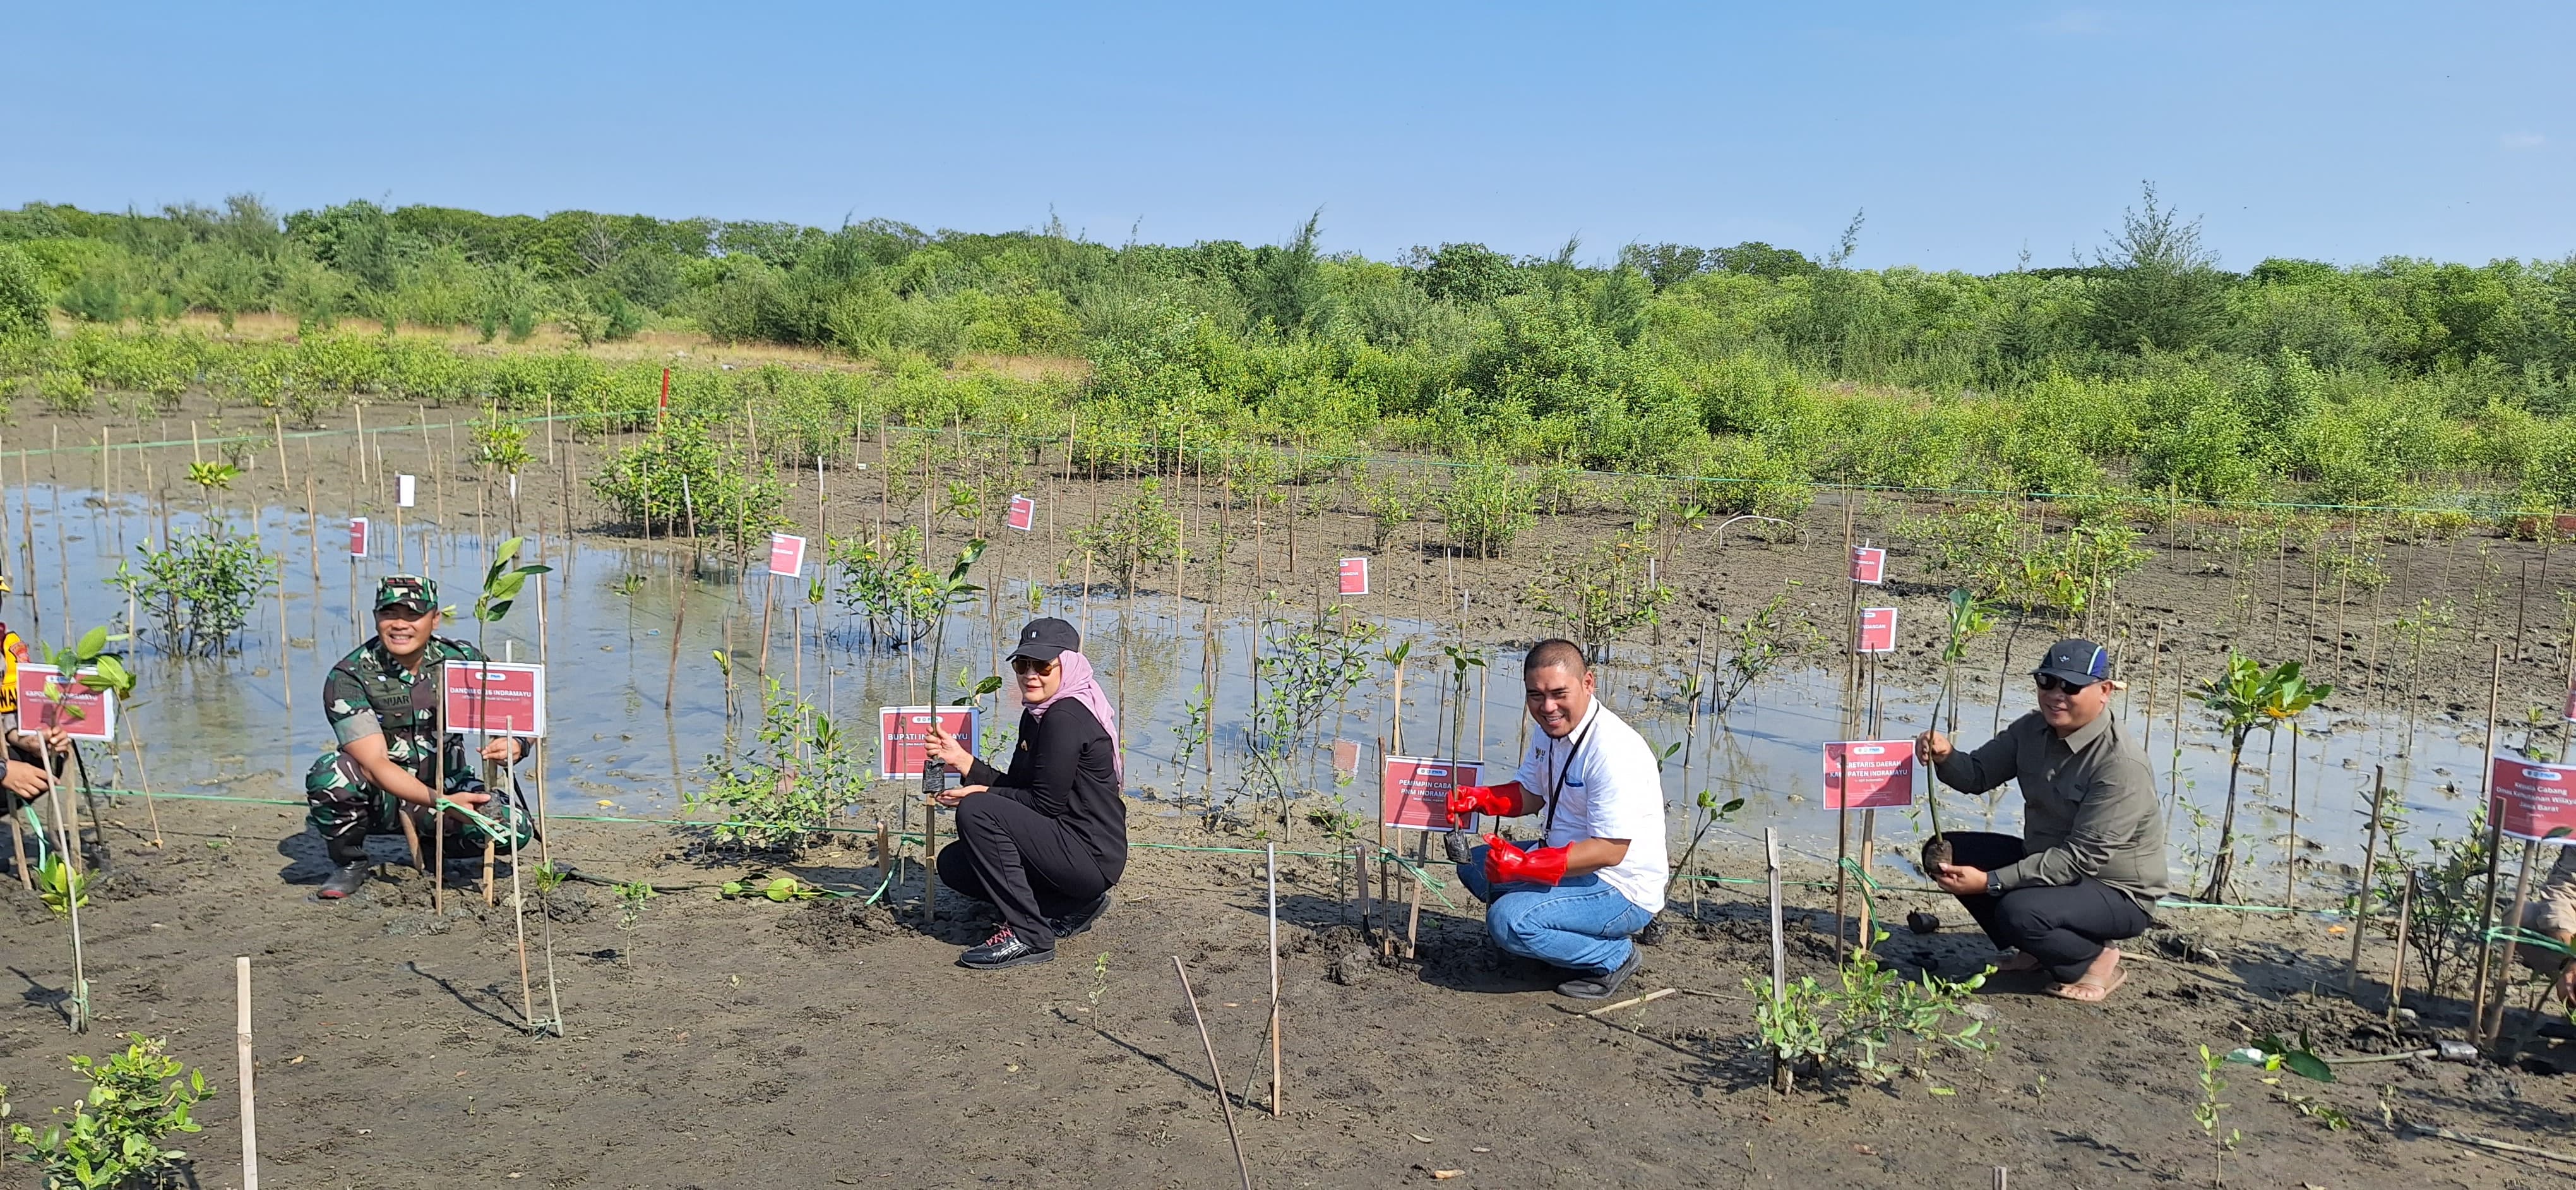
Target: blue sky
column 1969, row 133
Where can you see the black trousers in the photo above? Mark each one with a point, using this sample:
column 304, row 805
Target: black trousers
column 1026, row 864
column 2061, row 925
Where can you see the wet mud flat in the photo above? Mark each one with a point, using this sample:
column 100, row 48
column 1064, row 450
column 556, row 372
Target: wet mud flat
column 736, row 1043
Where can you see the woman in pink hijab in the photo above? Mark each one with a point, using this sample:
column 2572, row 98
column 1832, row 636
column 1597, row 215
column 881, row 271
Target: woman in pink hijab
column 1046, row 839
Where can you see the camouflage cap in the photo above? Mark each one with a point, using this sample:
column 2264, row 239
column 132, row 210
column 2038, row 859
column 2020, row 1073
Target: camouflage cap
column 400, row 590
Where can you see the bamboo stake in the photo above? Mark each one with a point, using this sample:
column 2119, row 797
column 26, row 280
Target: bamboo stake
column 2397, row 966
column 1275, row 1076
column 2495, row 840
column 1215, row 1075
column 2369, row 868
column 241, row 1050
column 77, row 1007
column 2504, row 967
column 1779, row 950
column 18, row 847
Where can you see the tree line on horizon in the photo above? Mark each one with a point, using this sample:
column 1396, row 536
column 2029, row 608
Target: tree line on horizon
column 2150, row 366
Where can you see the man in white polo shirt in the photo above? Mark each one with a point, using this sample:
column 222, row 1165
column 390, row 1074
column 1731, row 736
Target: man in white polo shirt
column 1599, row 878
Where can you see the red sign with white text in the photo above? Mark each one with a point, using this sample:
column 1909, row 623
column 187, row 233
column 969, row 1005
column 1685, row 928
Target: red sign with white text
column 1024, row 514
column 1355, row 576
column 1869, row 774
column 46, row 700
column 494, row 698
column 357, row 537
column 2533, row 799
column 900, row 733
column 1869, row 565
column 1877, row 630
column 786, row 554
column 1414, row 791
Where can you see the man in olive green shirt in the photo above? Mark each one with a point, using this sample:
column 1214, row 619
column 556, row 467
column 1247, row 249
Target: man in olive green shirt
column 2092, row 859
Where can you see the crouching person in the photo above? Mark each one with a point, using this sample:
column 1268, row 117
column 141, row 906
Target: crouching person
column 1575, row 901
column 1044, row 841
column 382, row 702
column 2090, row 861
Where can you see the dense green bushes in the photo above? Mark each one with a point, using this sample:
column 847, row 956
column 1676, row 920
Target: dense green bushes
column 2149, row 370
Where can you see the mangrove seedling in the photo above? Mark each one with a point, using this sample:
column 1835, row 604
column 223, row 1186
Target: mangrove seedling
column 2207, row 1111
column 113, row 1136
column 62, row 888
column 2248, row 696
column 502, row 581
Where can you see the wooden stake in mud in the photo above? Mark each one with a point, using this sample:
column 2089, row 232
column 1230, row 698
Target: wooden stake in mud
column 77, row 1007
column 1779, row 950
column 241, row 1051
column 18, row 845
column 2504, row 966
column 2290, row 854
column 1215, row 1075
column 1272, row 869
column 2369, row 868
column 2495, row 844
column 2397, row 966
column 929, row 860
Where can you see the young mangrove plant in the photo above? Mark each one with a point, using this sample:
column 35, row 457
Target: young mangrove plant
column 1854, row 1027
column 2248, row 696
column 778, row 794
column 111, row 1137
column 198, row 592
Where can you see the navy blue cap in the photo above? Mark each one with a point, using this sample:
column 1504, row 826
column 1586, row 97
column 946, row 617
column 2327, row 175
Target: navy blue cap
column 2076, row 663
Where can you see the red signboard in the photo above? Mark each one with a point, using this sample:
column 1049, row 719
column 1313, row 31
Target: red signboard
column 1869, row 565
column 493, row 698
column 2533, row 799
column 1024, row 514
column 1355, row 576
column 1414, row 791
column 1869, row 774
column 786, row 554
column 899, row 737
column 1877, row 630
column 358, row 537
column 1346, row 757
column 45, row 700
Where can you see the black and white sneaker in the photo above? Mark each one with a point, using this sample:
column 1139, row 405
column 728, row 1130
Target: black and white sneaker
column 346, row 879
column 1602, row 987
column 1080, row 920
column 1003, row 949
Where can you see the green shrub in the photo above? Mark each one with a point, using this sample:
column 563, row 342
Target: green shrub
column 679, row 478
column 1485, row 506
column 113, row 1138
column 198, row 592
column 778, row 794
column 22, row 295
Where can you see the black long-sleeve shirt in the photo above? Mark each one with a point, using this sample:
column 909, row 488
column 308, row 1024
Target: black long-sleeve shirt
column 1065, row 768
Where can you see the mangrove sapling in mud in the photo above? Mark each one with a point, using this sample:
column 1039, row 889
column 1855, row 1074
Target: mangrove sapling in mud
column 112, row 1139
column 499, row 443
column 2248, row 696
column 1601, row 596
column 1135, row 538
column 1393, row 502
column 885, row 581
column 1485, row 507
column 62, row 887
column 199, row 592
column 1758, row 645
column 1850, row 1028
column 1710, row 813
column 2207, row 1114
column 773, row 801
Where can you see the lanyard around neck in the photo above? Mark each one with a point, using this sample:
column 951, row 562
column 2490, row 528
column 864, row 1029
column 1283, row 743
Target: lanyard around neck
column 1556, row 791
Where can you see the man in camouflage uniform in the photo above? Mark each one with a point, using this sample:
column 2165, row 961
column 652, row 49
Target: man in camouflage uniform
column 382, row 701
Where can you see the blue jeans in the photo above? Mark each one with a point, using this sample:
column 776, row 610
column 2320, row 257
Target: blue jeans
column 1582, row 924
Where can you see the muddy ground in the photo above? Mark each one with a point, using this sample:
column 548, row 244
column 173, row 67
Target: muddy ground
column 739, row 1043
column 728, row 1043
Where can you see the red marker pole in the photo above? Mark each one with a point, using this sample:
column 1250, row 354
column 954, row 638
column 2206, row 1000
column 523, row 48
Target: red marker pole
column 665, row 407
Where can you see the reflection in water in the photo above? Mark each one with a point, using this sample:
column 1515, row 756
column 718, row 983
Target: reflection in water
column 638, row 699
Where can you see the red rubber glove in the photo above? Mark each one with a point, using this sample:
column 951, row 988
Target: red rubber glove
column 1506, row 864
column 1502, row 801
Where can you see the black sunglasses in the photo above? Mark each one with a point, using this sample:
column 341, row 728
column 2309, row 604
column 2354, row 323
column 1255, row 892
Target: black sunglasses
column 1030, row 665
column 2054, row 682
